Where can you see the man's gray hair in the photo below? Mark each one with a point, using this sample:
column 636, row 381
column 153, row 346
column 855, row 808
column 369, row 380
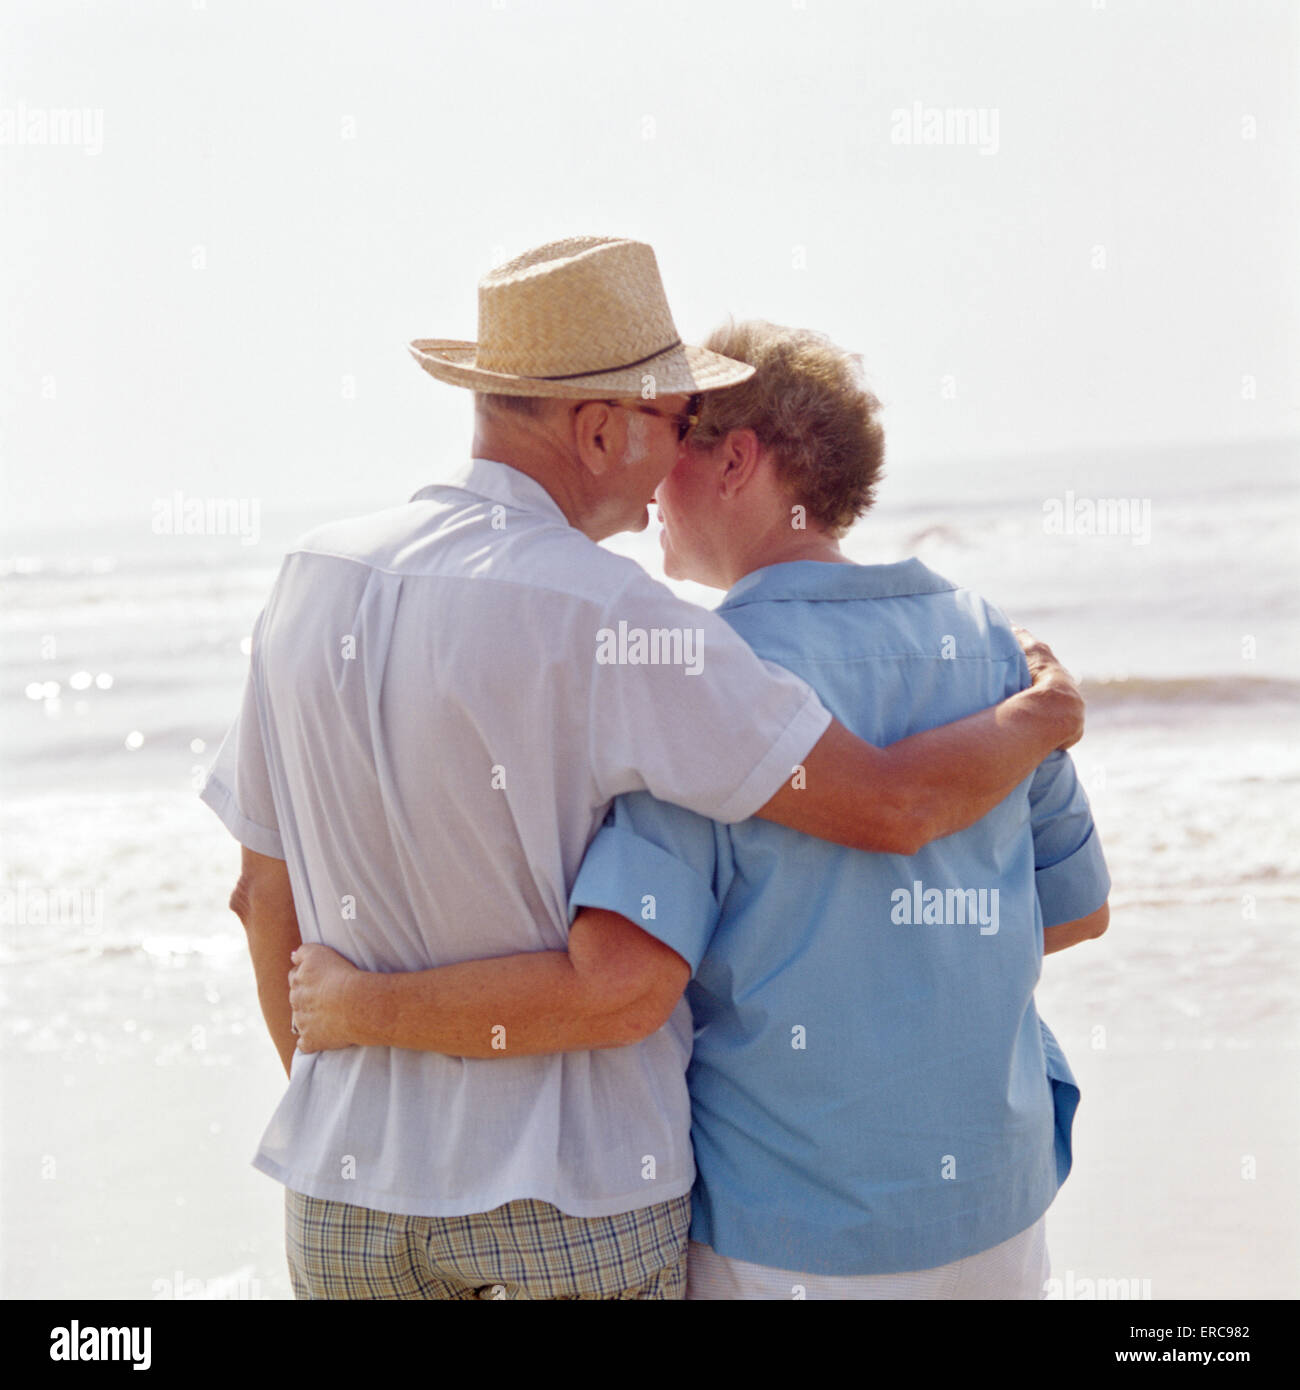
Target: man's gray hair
column 531, row 406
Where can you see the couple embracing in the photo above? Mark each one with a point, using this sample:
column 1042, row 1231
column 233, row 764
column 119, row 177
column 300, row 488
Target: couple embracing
column 704, row 968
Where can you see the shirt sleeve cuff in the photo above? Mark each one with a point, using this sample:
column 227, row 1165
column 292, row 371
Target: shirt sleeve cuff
column 1075, row 887
column 797, row 740
column 258, row 838
column 625, row 874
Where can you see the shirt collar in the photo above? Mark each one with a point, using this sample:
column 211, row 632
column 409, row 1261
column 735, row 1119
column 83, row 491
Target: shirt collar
column 498, row 482
column 813, row 579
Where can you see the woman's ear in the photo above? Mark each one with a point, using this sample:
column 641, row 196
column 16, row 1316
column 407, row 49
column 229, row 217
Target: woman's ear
column 741, row 453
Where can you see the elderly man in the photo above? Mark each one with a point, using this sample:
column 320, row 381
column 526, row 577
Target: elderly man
column 444, row 699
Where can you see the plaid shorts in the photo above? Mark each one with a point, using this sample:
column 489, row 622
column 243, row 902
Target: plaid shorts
column 525, row 1249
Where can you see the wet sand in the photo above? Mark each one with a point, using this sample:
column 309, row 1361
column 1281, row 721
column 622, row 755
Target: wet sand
column 130, row 1117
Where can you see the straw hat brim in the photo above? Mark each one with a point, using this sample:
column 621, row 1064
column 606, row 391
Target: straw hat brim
column 680, row 371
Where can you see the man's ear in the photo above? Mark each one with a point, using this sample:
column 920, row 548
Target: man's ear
column 597, row 434
column 741, row 453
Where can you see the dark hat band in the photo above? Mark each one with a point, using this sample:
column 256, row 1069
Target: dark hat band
column 604, row 371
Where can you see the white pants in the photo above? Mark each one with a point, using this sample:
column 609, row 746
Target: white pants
column 1016, row 1269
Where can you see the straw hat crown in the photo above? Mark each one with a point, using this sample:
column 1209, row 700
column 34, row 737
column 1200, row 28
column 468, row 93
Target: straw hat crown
column 582, row 318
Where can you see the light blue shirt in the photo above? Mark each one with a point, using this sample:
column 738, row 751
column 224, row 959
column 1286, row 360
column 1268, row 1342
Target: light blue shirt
column 872, row 1088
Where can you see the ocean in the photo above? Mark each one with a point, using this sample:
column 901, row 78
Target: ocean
column 124, row 654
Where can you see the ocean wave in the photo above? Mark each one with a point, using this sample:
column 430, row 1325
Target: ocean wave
column 1191, row 690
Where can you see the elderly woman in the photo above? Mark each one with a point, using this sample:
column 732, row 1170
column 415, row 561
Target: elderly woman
column 877, row 1110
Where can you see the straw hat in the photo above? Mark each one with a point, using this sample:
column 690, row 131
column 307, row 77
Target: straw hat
column 581, row 319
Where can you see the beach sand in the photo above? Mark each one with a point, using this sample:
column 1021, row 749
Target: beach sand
column 126, row 1169
column 1187, row 1139
column 1161, row 1202
column 131, row 1116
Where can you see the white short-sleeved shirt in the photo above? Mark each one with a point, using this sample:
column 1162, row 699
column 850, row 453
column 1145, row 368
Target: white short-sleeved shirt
column 443, row 700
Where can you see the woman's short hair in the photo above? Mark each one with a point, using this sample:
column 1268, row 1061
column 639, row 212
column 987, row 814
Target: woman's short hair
column 808, row 403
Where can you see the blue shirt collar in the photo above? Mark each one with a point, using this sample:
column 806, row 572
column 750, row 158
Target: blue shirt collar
column 813, row 579
column 499, row 482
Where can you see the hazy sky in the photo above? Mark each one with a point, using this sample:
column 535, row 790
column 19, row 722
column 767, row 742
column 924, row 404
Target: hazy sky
column 210, row 280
